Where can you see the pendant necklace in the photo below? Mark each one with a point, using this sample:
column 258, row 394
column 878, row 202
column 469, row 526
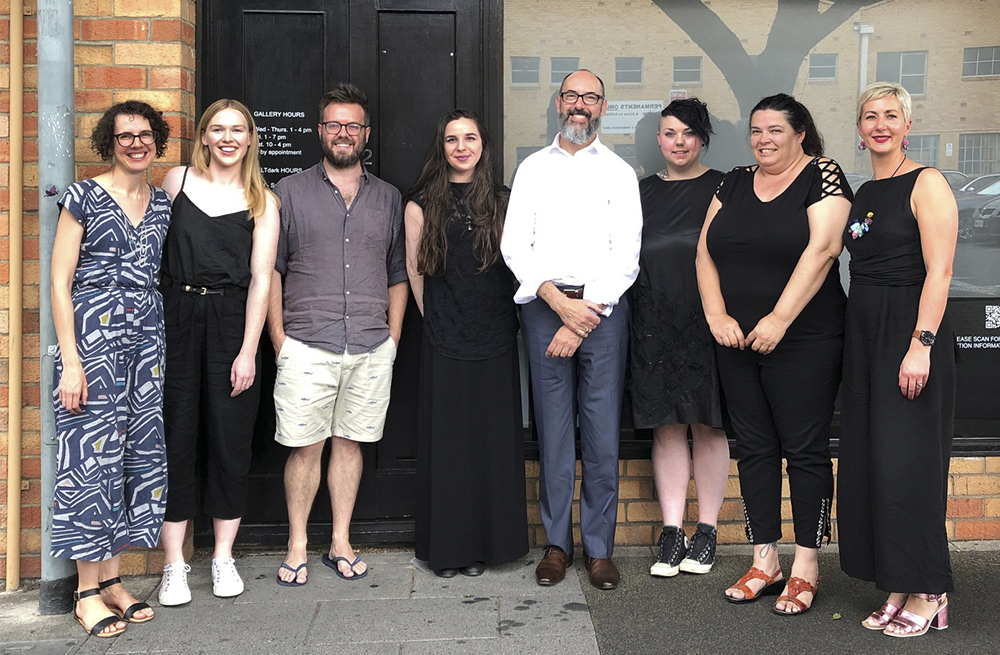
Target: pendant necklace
column 859, row 227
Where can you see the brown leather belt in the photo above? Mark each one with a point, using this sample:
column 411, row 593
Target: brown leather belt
column 571, row 291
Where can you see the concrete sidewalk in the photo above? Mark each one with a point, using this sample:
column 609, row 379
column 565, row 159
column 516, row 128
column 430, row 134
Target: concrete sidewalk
column 399, row 609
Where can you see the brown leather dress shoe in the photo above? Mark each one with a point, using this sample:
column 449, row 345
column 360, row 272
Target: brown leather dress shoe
column 603, row 572
column 552, row 569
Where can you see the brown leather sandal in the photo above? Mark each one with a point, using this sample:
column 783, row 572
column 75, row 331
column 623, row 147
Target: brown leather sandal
column 797, row 586
column 772, row 585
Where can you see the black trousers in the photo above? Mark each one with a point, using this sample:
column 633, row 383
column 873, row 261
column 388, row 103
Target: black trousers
column 208, row 433
column 780, row 406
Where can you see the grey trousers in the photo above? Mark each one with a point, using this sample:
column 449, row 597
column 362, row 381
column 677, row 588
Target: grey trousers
column 589, row 384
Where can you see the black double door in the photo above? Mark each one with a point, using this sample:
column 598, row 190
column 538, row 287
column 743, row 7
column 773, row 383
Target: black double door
column 415, row 59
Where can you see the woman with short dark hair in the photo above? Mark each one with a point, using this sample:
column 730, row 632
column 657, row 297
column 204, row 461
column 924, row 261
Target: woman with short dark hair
column 767, row 272
column 110, row 487
column 470, row 444
column 674, row 377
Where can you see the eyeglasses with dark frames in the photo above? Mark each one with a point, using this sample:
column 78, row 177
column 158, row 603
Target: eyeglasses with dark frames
column 333, row 128
column 569, row 97
column 126, row 139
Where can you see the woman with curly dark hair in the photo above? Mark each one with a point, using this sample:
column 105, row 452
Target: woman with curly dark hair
column 110, row 488
column 470, row 459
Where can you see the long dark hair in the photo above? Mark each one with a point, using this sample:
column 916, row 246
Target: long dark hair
column 483, row 201
column 798, row 117
column 693, row 113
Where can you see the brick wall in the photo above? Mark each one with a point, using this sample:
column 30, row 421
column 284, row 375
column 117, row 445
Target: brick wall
column 973, row 504
column 141, row 49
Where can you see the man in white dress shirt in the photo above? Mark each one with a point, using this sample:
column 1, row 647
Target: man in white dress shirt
column 571, row 237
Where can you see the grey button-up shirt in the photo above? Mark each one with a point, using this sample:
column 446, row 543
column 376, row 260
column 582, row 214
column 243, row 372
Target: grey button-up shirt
column 338, row 263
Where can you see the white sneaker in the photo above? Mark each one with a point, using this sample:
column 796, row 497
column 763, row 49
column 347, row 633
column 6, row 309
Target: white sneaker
column 226, row 582
column 174, row 588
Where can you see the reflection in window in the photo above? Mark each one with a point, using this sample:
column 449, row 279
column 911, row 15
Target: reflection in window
column 823, row 67
column 687, row 69
column 627, row 152
column 524, row 70
column 907, row 68
column 563, row 66
column 924, row 148
column 979, row 154
column 981, row 61
column 628, row 70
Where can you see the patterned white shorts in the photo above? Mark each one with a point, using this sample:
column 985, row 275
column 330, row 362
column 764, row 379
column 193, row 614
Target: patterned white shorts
column 319, row 394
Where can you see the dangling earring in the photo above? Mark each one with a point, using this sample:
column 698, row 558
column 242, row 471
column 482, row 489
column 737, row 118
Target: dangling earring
column 861, row 145
column 906, row 145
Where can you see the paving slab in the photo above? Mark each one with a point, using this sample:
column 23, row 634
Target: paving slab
column 553, row 645
column 688, row 613
column 416, row 619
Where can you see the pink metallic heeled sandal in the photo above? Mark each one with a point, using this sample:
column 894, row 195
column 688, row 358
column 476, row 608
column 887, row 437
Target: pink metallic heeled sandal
column 882, row 617
column 914, row 625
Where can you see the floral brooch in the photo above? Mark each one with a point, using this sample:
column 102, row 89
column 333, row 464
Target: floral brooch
column 859, row 227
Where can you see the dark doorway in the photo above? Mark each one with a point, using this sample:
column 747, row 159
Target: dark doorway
column 415, row 59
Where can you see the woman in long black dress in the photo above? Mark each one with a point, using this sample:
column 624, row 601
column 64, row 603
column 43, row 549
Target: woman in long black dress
column 767, row 269
column 470, row 452
column 675, row 382
column 898, row 399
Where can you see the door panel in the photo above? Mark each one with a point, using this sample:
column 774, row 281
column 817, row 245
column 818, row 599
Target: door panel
column 415, row 59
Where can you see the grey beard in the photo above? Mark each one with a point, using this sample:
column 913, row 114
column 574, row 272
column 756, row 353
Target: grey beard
column 578, row 135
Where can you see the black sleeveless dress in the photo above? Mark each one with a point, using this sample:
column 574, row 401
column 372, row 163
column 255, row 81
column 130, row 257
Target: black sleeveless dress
column 894, row 453
column 470, row 442
column 674, row 377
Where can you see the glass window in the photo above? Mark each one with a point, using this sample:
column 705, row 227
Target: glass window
column 823, row 66
column 524, row 70
column 628, row 70
column 979, row 154
column 924, row 148
column 687, row 69
column 906, row 68
column 981, row 61
column 563, row 66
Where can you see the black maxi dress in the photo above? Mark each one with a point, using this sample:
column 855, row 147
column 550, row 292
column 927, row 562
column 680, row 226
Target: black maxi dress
column 674, row 377
column 470, row 442
column 892, row 484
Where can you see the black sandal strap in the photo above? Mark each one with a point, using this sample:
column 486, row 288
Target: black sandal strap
column 111, row 582
column 133, row 608
column 86, row 593
column 104, row 623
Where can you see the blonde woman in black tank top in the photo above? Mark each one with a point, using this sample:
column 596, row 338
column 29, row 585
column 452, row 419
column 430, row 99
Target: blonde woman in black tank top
column 217, row 269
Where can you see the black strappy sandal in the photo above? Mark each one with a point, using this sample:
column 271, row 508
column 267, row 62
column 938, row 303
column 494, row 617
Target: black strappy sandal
column 131, row 609
column 98, row 628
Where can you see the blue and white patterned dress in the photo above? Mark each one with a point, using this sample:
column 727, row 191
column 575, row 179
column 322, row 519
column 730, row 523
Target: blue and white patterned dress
column 111, row 477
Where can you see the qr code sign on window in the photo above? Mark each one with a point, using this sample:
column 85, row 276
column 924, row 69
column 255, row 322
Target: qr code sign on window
column 992, row 316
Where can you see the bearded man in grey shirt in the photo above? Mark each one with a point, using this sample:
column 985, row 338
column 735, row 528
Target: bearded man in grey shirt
column 338, row 294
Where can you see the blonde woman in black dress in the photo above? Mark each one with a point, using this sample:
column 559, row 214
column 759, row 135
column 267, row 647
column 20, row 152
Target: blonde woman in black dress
column 898, row 398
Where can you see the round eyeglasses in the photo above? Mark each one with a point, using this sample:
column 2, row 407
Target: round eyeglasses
column 569, row 97
column 333, row 127
column 126, row 139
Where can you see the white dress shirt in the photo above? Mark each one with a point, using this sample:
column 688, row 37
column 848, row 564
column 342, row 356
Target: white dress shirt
column 574, row 220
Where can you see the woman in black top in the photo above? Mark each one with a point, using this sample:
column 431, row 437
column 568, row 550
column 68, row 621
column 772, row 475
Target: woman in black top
column 898, row 400
column 675, row 381
column 217, row 268
column 767, row 272
column 470, row 451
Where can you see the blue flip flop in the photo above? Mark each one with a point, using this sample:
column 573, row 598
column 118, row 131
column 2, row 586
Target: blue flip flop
column 332, row 563
column 295, row 570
